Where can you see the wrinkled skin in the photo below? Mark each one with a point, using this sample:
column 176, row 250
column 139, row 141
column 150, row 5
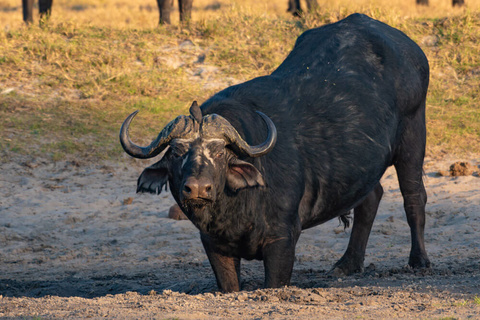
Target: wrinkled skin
column 347, row 103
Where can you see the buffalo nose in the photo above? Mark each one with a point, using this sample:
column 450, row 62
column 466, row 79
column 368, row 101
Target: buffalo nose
column 197, row 188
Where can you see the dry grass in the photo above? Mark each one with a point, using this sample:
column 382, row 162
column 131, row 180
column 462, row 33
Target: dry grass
column 65, row 88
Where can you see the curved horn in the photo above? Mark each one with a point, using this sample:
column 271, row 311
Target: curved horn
column 176, row 128
column 242, row 147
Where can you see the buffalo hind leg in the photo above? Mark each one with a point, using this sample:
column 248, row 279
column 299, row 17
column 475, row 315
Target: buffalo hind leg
column 226, row 269
column 414, row 198
column 409, row 165
column 364, row 215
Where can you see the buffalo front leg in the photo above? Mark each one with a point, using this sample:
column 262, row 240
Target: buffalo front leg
column 364, row 215
column 278, row 259
column 225, row 268
column 165, row 7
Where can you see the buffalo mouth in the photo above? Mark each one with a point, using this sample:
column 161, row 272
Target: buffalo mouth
column 198, row 203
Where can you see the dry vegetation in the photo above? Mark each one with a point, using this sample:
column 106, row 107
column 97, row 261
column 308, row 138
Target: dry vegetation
column 65, row 87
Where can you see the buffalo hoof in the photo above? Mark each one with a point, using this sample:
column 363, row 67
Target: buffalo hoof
column 419, row 262
column 345, row 267
column 340, row 272
column 337, row 272
column 176, row 213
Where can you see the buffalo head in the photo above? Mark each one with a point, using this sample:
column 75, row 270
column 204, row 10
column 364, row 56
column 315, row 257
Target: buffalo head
column 203, row 160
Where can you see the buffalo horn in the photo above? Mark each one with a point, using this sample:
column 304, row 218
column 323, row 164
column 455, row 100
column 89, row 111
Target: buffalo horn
column 240, row 146
column 175, row 129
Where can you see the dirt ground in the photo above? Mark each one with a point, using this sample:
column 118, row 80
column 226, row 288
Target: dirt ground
column 77, row 242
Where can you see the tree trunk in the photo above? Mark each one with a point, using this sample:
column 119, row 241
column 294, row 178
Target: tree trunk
column 27, row 7
column 422, row 2
column 165, row 8
column 185, row 8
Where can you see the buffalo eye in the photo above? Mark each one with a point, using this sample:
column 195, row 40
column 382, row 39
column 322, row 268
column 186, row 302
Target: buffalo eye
column 220, row 154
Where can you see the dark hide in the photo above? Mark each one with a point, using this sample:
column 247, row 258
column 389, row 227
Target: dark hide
column 347, row 102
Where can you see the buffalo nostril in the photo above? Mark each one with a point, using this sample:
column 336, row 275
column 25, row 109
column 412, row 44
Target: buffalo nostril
column 194, row 188
column 190, row 189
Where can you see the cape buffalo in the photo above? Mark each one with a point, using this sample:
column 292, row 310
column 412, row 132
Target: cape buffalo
column 260, row 161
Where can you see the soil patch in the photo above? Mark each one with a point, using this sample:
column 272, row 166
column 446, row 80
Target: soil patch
column 78, row 242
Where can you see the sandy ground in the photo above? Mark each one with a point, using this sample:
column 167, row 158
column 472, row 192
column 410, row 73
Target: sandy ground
column 77, row 242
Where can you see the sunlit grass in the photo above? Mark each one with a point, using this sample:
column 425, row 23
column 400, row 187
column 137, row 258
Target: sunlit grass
column 66, row 87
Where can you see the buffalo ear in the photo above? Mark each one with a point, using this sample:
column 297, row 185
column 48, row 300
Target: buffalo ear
column 241, row 174
column 154, row 178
